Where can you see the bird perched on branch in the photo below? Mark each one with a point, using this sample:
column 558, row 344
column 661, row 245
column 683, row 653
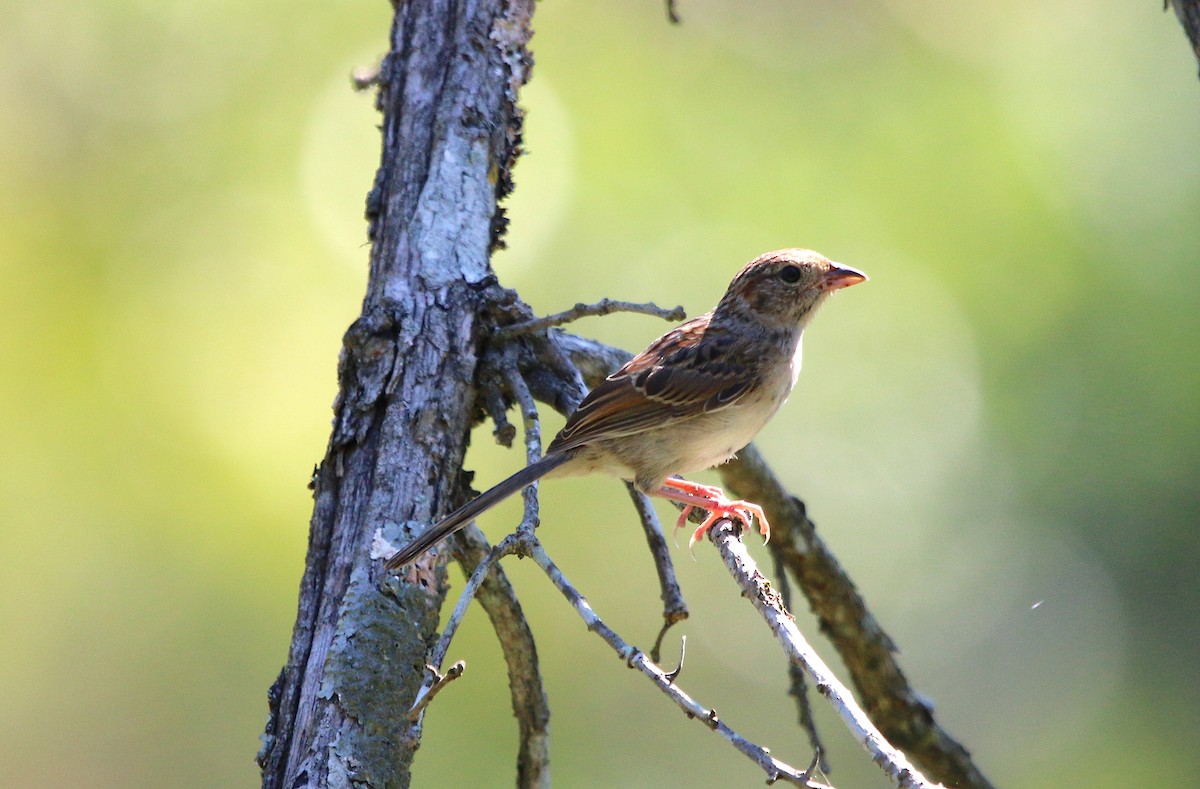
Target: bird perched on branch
column 688, row 402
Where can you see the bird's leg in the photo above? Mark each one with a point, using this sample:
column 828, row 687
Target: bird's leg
column 713, row 500
column 709, row 492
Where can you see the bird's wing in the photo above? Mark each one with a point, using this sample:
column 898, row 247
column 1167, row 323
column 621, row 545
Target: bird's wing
column 679, row 376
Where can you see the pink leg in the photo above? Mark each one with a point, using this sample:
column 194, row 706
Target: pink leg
column 713, row 500
column 706, row 492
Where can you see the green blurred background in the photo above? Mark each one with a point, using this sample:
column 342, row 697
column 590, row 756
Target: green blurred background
column 999, row 435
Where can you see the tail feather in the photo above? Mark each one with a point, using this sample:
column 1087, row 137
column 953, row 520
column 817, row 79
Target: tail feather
column 475, row 507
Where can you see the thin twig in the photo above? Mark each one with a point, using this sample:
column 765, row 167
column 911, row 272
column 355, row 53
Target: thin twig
column 529, row 702
column 867, row 651
column 581, row 310
column 797, row 685
column 755, row 587
column 440, row 681
column 674, row 675
column 529, row 413
column 673, row 13
column 635, row 658
column 533, row 446
column 674, row 607
column 443, row 645
column 493, row 401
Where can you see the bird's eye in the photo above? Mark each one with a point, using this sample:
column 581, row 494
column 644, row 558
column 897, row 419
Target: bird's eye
column 790, row 274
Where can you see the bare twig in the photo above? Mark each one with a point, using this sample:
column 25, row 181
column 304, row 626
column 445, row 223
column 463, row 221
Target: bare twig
column 439, row 681
column 797, row 685
column 673, row 13
column 674, row 608
column 815, row 765
column 490, row 384
column 443, row 645
column 865, row 648
column 530, row 704
column 755, row 587
column 635, row 658
column 533, row 447
column 674, row 675
column 581, row 310
column 529, row 413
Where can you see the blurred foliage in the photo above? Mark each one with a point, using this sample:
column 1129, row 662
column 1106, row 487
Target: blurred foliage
column 999, row 435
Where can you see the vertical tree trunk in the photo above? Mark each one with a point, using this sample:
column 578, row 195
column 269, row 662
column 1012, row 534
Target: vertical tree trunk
column 451, row 130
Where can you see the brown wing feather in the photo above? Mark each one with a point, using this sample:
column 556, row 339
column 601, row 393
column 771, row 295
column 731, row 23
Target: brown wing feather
column 676, row 378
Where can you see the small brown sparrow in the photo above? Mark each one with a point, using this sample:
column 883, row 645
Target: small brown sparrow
column 690, row 401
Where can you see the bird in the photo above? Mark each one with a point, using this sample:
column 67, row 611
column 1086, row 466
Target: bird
column 690, row 401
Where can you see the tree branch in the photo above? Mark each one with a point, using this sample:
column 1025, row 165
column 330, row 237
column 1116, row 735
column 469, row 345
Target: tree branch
column 427, row 693
column 581, row 310
column 450, row 132
column 868, row 652
column 797, row 685
column 674, row 607
column 636, row 659
column 530, row 704
column 755, row 587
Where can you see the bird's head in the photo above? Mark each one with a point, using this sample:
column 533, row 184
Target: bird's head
column 784, row 288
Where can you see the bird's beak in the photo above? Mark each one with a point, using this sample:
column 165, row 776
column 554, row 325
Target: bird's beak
column 840, row 276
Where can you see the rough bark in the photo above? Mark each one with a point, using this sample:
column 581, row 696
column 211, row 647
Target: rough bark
column 451, row 130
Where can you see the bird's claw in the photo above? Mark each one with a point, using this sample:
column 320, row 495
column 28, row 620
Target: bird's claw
column 712, row 499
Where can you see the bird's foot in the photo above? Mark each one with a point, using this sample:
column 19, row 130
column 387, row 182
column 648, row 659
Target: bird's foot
column 713, row 500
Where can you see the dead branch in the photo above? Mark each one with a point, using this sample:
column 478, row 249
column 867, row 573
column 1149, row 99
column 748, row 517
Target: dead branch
column 531, row 706
column 755, row 587
column 869, row 654
column 775, row 769
column 581, row 310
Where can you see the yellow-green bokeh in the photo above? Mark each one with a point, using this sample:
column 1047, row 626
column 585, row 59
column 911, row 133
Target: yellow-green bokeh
column 999, row 434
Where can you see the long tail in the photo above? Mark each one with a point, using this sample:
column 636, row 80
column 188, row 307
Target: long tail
column 474, row 508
